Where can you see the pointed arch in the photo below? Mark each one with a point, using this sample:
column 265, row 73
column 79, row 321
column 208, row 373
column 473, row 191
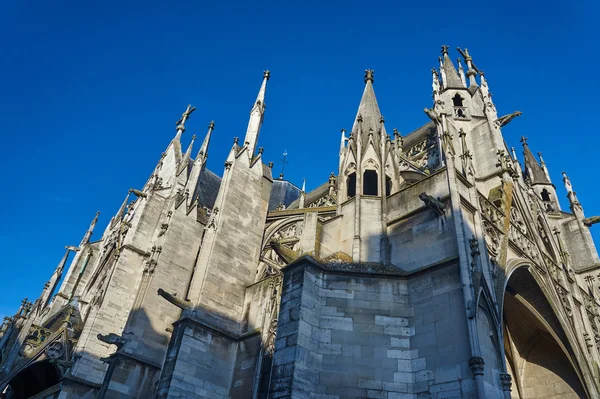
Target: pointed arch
column 540, row 346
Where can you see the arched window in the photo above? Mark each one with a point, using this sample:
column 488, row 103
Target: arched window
column 370, row 182
column 388, row 186
column 457, row 100
column 545, row 195
column 351, row 185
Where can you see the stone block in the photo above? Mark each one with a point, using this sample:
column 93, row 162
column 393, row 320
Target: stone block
column 395, row 386
column 404, row 376
column 448, row 386
column 424, row 375
column 336, row 323
column 402, row 353
column 391, row 321
column 400, row 342
column 447, row 373
column 373, row 394
column 370, row 384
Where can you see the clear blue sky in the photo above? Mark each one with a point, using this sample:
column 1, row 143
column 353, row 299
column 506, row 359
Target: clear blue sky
column 90, row 92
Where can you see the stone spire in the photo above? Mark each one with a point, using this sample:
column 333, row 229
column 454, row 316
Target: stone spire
column 544, row 168
column 471, row 69
column 450, row 75
column 532, row 168
column 176, row 142
column 121, row 212
column 186, row 157
column 203, row 152
column 256, row 116
column 461, row 73
column 574, row 202
column 89, row 232
column 368, row 115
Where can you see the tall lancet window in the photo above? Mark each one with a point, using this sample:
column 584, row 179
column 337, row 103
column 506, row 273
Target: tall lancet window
column 351, row 185
column 370, row 182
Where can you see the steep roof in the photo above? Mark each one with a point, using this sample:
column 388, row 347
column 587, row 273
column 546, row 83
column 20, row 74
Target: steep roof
column 532, row 168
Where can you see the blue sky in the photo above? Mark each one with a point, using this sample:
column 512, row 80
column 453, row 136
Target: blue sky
column 90, row 92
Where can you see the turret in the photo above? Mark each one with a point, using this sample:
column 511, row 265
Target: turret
column 539, row 179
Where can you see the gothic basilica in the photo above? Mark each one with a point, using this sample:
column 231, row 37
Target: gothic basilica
column 431, row 265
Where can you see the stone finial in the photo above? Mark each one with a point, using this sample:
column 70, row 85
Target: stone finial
column 477, row 364
column 211, row 125
column 267, row 74
column 445, row 49
column 382, row 119
column 271, row 165
column 369, row 75
column 359, row 118
column 524, row 141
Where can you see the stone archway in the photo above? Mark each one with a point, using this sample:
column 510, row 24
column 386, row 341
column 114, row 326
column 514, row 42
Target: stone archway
column 538, row 354
column 34, row 379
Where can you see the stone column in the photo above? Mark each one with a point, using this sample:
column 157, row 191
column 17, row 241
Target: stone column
column 476, row 363
column 506, row 383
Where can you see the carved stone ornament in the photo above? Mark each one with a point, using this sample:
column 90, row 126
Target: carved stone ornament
column 55, row 350
column 505, row 381
column 476, row 363
column 492, row 239
column 112, row 339
column 434, row 204
column 564, row 297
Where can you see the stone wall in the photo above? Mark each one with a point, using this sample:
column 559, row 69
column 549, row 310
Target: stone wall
column 347, row 336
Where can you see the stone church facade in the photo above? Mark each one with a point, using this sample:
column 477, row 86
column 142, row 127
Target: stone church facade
column 431, row 265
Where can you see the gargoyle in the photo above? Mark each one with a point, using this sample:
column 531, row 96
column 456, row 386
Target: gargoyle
column 432, row 115
column 588, row 222
column 432, row 203
column 112, row 339
column 287, row 254
column 504, row 120
column 138, row 193
column 180, row 303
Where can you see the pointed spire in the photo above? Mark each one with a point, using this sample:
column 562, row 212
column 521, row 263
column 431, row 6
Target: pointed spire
column 186, row 157
column 181, row 122
column 368, row 116
column 451, row 78
column 567, row 181
column 89, row 232
column 256, row 116
column 572, row 196
column 544, row 168
column 121, row 212
column 532, row 168
column 304, row 185
column 471, row 69
column 461, row 73
column 203, row 152
column 435, row 84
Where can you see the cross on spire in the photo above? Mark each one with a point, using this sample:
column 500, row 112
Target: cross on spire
column 445, row 49
column 369, row 75
column 283, row 163
column 524, row 140
column 185, row 115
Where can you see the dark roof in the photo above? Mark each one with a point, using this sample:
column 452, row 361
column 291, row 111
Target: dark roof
column 419, row 135
column 283, row 192
column 209, row 188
